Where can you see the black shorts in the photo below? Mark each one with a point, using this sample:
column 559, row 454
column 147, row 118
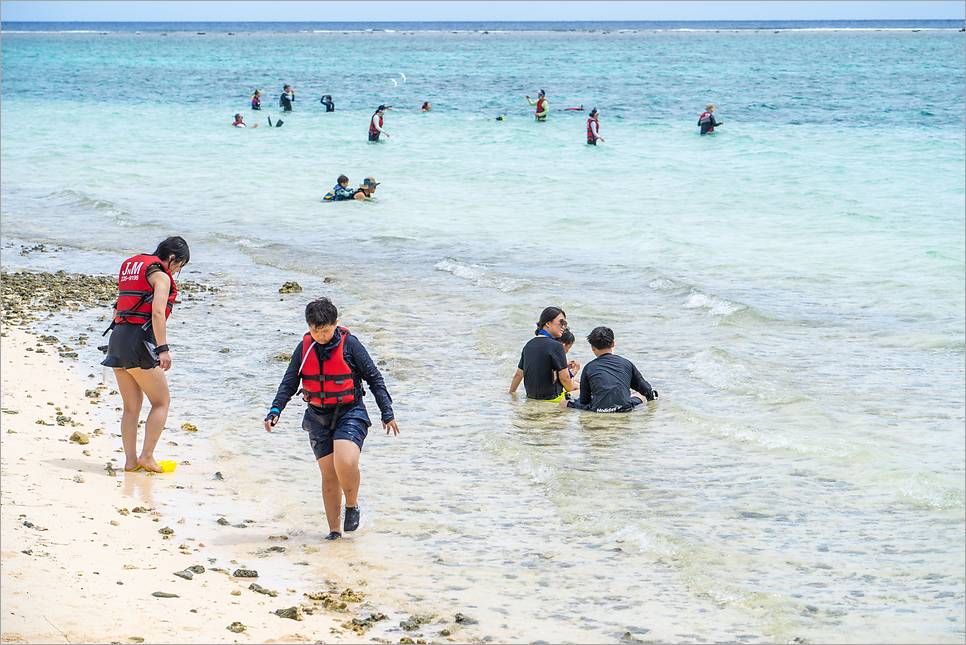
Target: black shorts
column 373, row 136
column 575, row 403
column 321, row 435
column 591, row 142
column 132, row 346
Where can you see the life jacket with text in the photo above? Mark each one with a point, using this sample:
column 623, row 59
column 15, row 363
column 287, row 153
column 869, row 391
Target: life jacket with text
column 329, row 385
column 372, row 124
column 136, row 295
column 541, row 107
column 590, row 131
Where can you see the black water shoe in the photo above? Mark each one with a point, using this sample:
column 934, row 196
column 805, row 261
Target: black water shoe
column 334, row 535
column 351, row 519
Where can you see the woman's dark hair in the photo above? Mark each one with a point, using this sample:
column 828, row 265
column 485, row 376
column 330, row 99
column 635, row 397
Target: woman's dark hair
column 567, row 338
column 176, row 246
column 342, row 180
column 548, row 315
column 321, row 313
column 593, row 112
column 601, row 338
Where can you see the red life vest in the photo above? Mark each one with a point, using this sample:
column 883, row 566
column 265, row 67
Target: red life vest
column 372, row 124
column 135, row 293
column 541, row 106
column 590, row 132
column 329, row 385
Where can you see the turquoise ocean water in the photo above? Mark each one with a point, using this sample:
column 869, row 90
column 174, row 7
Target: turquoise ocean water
column 792, row 285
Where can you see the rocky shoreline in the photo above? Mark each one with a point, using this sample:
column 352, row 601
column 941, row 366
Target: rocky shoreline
column 80, row 566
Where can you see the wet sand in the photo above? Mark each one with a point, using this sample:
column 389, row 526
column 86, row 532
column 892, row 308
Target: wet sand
column 94, row 554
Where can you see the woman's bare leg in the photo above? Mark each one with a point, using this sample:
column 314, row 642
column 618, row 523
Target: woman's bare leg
column 154, row 384
column 133, row 397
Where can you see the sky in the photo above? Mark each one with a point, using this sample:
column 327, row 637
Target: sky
column 499, row 10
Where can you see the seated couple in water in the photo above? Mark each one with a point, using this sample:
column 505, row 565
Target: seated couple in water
column 341, row 191
column 607, row 381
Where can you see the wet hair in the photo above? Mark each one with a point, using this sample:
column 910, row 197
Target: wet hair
column 287, row 87
column 174, row 245
column 321, row 313
column 238, row 116
column 425, row 104
column 567, row 338
column 342, row 180
column 601, row 338
column 549, row 314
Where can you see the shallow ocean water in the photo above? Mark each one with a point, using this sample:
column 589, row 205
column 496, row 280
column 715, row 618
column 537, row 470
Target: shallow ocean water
column 792, row 285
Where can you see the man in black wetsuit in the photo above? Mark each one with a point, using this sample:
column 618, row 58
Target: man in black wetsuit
column 543, row 367
column 285, row 100
column 609, row 378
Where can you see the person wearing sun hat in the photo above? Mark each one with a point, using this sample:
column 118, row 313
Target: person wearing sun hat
column 707, row 120
column 366, row 188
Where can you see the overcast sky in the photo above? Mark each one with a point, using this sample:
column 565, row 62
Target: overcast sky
column 379, row 11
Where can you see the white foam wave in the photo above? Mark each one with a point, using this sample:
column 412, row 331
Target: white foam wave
column 664, row 284
column 778, row 439
column 927, row 490
column 721, row 370
column 715, row 306
column 481, row 276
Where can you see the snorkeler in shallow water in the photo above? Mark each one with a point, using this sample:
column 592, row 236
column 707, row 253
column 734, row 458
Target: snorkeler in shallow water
column 543, row 107
column 240, row 122
column 593, row 124
column 327, row 102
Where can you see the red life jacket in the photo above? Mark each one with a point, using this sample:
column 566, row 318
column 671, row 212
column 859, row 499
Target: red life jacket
column 541, row 106
column 590, row 132
column 135, row 293
column 329, row 385
column 372, row 125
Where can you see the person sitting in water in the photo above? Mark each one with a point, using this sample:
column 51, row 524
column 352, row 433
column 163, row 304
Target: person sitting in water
column 609, row 378
column 257, row 100
column 285, row 100
column 567, row 340
column 543, row 361
column 327, row 102
column 543, row 108
column 240, row 123
column 707, row 120
column 426, row 107
column 592, row 128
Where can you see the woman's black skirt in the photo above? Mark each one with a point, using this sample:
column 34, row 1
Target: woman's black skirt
column 131, row 346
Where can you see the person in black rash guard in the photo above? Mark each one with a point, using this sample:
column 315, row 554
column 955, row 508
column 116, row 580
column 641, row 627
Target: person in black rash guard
column 609, row 378
column 335, row 415
column 285, row 100
column 327, row 102
column 707, row 120
column 543, row 362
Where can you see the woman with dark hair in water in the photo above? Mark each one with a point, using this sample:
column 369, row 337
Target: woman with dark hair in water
column 139, row 346
column 543, row 362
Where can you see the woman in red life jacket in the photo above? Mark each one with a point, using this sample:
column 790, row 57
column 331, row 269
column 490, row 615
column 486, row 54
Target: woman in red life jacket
column 375, row 123
column 592, row 128
column 139, row 345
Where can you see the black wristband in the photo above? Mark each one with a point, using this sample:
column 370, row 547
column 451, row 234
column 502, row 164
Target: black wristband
column 160, row 349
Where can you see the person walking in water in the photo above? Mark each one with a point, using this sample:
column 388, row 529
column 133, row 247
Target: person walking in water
column 543, row 108
column 375, row 124
column 592, row 128
column 285, row 100
column 707, row 120
column 329, row 364
column 543, row 366
column 257, row 100
column 138, row 349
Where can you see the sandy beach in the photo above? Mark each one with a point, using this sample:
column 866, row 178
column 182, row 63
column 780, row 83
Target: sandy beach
column 92, row 554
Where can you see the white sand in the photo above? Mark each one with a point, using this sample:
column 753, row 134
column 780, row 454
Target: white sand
column 89, row 570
